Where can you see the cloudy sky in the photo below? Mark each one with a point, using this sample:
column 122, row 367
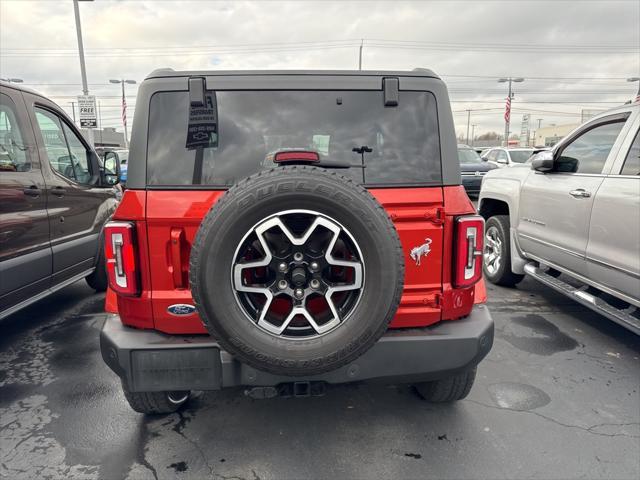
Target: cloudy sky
column 573, row 55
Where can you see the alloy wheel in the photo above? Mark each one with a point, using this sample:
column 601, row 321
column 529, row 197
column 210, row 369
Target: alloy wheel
column 298, row 274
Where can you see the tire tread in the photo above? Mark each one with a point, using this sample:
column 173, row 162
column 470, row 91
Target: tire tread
column 450, row 389
column 152, row 403
column 246, row 184
column 505, row 277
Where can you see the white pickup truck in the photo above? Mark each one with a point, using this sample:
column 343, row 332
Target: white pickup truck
column 573, row 211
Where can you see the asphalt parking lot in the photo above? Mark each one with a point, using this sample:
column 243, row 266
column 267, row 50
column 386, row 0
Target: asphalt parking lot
column 558, row 397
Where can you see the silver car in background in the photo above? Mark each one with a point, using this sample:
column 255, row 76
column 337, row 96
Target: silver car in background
column 572, row 220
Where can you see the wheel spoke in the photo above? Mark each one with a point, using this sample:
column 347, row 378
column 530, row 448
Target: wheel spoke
column 290, row 288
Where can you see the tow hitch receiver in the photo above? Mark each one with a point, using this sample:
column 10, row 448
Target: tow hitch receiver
column 290, row 389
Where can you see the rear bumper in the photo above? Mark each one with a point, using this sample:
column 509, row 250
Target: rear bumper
column 151, row 361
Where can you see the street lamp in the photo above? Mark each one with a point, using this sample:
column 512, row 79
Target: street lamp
column 507, row 113
column 124, row 108
column 635, row 79
column 12, row 80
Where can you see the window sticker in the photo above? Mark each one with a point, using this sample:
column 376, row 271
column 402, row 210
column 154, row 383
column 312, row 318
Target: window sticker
column 203, row 124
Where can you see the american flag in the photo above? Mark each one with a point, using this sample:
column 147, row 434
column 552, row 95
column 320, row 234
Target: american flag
column 124, row 110
column 507, row 110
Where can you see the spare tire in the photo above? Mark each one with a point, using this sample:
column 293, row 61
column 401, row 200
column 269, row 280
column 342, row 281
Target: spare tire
column 296, row 270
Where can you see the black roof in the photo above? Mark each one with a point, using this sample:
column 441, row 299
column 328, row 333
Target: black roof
column 17, row 86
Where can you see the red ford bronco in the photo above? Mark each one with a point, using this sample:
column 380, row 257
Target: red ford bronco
column 286, row 230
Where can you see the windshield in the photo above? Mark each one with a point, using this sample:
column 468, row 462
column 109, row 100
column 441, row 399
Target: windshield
column 520, row 156
column 402, row 142
column 467, row 155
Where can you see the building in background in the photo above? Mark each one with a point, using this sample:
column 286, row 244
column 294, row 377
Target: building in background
column 106, row 137
column 549, row 136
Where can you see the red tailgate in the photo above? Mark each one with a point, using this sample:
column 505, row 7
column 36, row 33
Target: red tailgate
column 174, row 217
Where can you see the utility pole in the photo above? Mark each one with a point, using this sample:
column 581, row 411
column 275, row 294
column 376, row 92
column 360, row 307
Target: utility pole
column 635, row 79
column 360, row 55
column 83, row 69
column 535, row 134
column 100, row 129
column 468, row 122
column 473, row 134
column 507, row 113
column 73, row 111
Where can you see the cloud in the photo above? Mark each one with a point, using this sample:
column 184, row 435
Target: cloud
column 130, row 39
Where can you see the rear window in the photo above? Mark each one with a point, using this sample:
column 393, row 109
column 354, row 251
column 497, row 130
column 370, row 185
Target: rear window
column 520, row 156
column 467, row 155
column 404, row 140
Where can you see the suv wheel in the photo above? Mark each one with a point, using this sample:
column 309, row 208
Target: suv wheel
column 447, row 389
column 497, row 253
column 98, row 279
column 154, row 403
column 297, row 271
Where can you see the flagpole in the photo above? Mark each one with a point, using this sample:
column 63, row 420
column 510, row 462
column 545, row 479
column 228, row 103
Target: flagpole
column 507, row 113
column 124, row 108
column 124, row 118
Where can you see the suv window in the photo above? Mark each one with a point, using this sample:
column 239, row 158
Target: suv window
column 588, row 153
column 632, row 162
column 404, row 140
column 520, row 156
column 501, row 155
column 13, row 152
column 468, row 155
column 66, row 153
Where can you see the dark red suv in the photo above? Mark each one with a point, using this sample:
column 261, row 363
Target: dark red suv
column 285, row 230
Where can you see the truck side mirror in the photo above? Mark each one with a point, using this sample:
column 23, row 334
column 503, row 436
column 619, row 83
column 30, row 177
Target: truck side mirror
column 111, row 169
column 543, row 161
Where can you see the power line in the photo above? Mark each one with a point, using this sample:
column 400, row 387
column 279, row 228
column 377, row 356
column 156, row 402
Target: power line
column 158, row 51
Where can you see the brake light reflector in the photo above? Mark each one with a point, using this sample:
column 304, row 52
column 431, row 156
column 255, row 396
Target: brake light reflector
column 122, row 263
column 469, row 244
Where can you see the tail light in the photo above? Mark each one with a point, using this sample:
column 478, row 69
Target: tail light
column 296, row 156
column 469, row 243
column 122, row 262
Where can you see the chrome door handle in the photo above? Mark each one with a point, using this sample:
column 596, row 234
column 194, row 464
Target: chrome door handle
column 580, row 193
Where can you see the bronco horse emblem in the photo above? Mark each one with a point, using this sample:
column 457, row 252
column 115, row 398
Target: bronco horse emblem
column 421, row 251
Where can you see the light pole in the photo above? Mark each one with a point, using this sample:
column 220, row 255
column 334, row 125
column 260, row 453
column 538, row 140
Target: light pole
column 507, row 113
column 468, row 122
column 83, row 69
column 12, row 80
column 124, row 108
column 635, row 79
column 535, row 134
column 73, row 111
column 473, row 133
column 360, row 55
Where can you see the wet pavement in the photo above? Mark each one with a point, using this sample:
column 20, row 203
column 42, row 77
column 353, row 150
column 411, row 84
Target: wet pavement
column 558, row 397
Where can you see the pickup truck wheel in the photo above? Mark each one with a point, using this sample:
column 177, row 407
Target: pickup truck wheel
column 448, row 389
column 98, row 279
column 154, row 403
column 297, row 270
column 496, row 256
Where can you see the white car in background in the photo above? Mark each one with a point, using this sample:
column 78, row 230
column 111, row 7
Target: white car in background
column 507, row 157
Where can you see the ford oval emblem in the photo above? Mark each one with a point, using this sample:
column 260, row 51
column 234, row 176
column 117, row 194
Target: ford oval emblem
column 181, row 309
